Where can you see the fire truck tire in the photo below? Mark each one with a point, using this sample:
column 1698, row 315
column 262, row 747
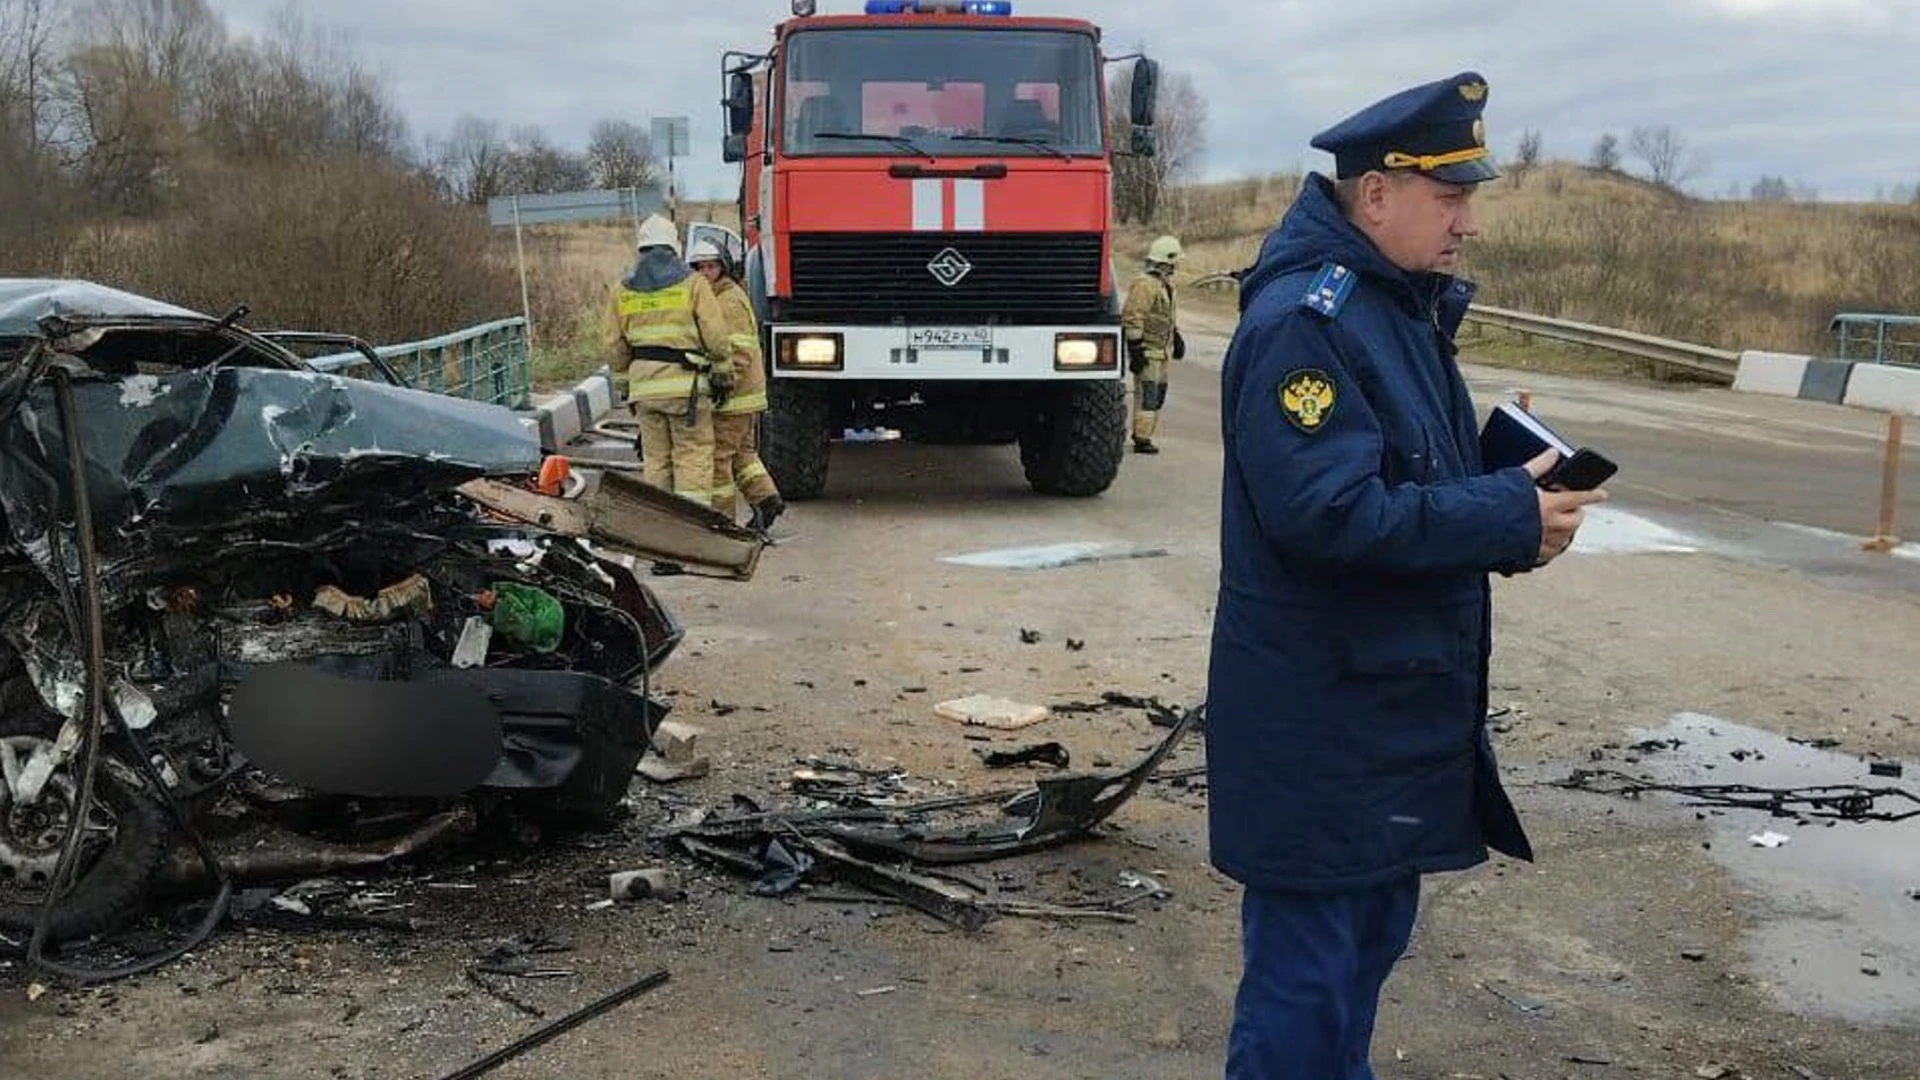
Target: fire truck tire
column 796, row 436
column 1074, row 447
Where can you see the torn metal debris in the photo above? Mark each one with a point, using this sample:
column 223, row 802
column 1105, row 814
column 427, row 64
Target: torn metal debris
column 782, row 848
column 1047, row 753
column 1843, row 802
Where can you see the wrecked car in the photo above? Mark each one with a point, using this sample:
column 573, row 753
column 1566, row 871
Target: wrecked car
column 235, row 589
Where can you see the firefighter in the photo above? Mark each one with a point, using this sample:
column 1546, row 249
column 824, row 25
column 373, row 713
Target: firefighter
column 1152, row 340
column 737, row 469
column 674, row 336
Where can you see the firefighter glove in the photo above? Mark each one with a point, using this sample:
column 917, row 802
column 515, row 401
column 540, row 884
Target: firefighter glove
column 1136, row 356
column 720, row 380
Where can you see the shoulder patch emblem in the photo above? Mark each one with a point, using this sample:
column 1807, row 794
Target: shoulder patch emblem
column 1306, row 397
column 1329, row 290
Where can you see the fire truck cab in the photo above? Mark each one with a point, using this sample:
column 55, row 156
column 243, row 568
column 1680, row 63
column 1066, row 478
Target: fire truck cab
column 926, row 199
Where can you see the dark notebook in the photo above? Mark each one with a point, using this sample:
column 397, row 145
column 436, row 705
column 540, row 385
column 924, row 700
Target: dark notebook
column 1513, row 436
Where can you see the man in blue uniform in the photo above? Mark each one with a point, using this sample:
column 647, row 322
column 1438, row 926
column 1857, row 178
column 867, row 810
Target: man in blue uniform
column 1346, row 728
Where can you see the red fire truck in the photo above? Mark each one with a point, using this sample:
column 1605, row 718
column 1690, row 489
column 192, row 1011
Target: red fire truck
column 926, row 194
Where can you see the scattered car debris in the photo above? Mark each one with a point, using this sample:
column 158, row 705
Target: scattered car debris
column 997, row 713
column 1159, row 713
column 1538, row 1009
column 1030, row 637
column 1076, row 645
column 519, row 959
column 876, row 991
column 657, row 883
column 780, row 849
column 560, row 1027
column 1047, row 753
column 1769, row 839
column 1843, row 802
column 675, row 754
column 1815, row 744
column 1887, row 768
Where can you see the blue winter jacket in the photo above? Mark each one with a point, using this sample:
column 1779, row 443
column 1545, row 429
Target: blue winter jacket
column 1347, row 694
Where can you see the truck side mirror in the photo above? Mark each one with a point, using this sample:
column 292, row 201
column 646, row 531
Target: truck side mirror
column 733, row 149
column 739, row 103
column 1146, row 91
column 1146, row 142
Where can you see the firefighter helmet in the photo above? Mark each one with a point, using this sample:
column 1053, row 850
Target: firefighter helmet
column 705, row 250
column 1165, row 251
column 657, row 231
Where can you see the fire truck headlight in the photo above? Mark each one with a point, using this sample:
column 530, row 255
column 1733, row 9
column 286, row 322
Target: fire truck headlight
column 803, row 8
column 1073, row 352
column 811, row 351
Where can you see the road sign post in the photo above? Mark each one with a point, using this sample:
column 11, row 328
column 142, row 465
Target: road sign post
column 670, row 140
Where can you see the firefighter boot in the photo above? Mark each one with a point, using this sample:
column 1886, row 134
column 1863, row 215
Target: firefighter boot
column 765, row 512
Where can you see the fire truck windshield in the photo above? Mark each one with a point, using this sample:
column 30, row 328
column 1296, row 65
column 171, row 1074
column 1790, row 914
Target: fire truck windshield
column 1003, row 92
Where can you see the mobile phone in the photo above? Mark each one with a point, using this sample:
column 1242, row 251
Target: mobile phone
column 1584, row 471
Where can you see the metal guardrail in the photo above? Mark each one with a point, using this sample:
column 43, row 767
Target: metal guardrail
column 1894, row 339
column 488, row 363
column 1664, row 353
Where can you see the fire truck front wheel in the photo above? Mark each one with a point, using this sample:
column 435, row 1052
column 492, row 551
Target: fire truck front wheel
column 796, row 435
column 1074, row 444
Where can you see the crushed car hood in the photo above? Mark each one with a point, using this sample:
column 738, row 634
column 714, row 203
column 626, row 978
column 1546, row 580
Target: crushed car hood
column 25, row 301
column 178, row 444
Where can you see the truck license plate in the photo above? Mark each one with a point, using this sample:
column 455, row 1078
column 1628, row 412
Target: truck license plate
column 950, row 337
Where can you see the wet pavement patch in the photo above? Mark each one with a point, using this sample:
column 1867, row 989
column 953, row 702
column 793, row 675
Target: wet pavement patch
column 1830, row 903
column 1053, row 556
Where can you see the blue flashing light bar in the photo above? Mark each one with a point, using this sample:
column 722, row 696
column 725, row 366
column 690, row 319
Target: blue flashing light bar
column 940, row 7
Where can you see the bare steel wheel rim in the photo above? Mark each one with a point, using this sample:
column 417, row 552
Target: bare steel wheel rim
column 31, row 835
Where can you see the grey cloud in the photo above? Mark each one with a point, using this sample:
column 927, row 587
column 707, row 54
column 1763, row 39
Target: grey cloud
column 1811, row 89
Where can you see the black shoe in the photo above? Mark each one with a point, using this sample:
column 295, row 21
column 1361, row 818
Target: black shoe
column 1145, row 446
column 766, row 512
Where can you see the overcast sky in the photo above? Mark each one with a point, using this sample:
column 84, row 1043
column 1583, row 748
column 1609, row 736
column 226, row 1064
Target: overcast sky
column 1823, row 92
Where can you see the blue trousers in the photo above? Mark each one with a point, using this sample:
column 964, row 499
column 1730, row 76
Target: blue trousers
column 1313, row 966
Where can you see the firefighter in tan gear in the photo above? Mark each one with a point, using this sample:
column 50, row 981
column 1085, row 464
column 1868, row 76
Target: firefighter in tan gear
column 674, row 335
column 737, row 468
column 1147, row 320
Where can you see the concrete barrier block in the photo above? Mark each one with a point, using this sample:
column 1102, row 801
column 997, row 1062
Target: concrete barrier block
column 595, row 396
column 1779, row 374
column 1826, row 380
column 565, row 414
column 1884, row 387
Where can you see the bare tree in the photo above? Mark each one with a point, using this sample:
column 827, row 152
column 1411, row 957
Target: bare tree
column 536, row 165
column 1180, row 130
column 297, row 94
column 620, row 154
column 1669, row 159
column 1526, row 157
column 472, row 162
column 131, row 89
column 1606, row 153
column 1770, row 189
column 27, row 29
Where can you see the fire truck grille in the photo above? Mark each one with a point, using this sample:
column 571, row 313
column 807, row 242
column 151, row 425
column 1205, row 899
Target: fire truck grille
column 979, row 277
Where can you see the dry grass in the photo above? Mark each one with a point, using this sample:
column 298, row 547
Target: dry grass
column 572, row 270
column 1618, row 252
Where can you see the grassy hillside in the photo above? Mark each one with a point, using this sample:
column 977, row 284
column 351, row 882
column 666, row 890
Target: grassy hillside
column 1616, row 251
